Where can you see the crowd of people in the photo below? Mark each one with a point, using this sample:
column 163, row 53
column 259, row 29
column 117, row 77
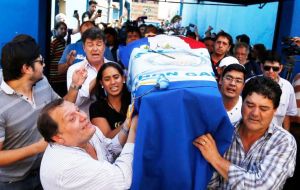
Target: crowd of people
column 72, row 129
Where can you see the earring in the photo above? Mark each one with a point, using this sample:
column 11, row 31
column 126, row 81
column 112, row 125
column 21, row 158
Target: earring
column 101, row 86
column 124, row 82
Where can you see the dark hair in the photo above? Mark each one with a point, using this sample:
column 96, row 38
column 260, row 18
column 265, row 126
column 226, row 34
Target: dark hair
column 151, row 28
column 113, row 32
column 243, row 38
column 93, row 34
column 87, row 23
column 208, row 38
column 57, row 25
column 235, row 67
column 23, row 49
column 226, row 35
column 261, row 50
column 133, row 29
column 271, row 56
column 45, row 124
column 91, row 2
column 264, row 86
column 99, row 91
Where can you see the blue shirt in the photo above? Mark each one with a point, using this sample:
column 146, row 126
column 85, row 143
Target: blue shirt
column 80, row 54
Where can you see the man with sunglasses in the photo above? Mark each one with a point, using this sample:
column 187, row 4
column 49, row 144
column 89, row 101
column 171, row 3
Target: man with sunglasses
column 24, row 91
column 271, row 67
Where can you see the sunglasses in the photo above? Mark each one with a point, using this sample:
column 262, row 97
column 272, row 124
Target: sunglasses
column 268, row 68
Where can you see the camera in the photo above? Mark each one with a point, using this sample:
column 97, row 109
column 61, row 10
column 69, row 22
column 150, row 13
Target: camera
column 289, row 47
column 99, row 12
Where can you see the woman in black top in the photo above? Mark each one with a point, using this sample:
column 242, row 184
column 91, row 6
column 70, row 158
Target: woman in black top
column 109, row 111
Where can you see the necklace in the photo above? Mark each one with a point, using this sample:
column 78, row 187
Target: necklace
column 112, row 107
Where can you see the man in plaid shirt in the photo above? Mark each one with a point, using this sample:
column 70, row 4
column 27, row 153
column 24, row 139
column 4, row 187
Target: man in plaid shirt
column 262, row 155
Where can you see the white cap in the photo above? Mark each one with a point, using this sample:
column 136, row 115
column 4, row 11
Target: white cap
column 228, row 61
column 60, row 17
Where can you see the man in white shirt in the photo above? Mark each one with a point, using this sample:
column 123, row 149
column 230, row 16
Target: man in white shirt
column 94, row 46
column 231, row 86
column 78, row 155
column 271, row 67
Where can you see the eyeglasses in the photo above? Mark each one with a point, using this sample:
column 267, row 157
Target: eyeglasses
column 268, row 68
column 41, row 61
column 236, row 80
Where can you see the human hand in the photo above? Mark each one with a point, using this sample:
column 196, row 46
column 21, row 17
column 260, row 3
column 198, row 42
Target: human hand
column 79, row 76
column 207, row 146
column 40, row 146
column 71, row 57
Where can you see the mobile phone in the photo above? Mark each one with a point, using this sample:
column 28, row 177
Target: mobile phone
column 75, row 13
column 99, row 12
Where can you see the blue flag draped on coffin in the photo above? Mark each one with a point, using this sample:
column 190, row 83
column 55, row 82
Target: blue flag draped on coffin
column 177, row 99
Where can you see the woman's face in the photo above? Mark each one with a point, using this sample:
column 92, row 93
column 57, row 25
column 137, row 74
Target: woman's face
column 112, row 81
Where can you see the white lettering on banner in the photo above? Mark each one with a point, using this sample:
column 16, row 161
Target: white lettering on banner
column 175, row 65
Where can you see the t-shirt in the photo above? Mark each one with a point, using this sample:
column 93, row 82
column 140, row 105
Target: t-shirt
column 101, row 108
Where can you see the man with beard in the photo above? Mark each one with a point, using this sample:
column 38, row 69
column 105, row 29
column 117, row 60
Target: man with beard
column 24, row 92
column 271, row 67
column 231, row 86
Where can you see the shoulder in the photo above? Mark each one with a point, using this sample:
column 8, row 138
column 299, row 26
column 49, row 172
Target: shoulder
column 282, row 136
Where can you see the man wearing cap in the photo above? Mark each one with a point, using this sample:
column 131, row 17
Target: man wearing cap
column 271, row 67
column 231, row 85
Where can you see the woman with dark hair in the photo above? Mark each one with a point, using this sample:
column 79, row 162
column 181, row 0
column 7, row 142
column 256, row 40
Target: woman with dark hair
column 109, row 111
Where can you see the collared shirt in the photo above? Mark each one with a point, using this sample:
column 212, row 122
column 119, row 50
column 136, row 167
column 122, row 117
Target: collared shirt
column 287, row 105
column 235, row 114
column 73, row 168
column 18, row 116
column 267, row 165
column 84, row 99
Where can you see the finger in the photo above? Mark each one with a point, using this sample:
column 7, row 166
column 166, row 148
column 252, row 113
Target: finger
column 210, row 137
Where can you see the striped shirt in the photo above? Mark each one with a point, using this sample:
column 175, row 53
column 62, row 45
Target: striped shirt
column 296, row 85
column 66, row 167
column 267, row 165
column 57, row 48
column 18, row 118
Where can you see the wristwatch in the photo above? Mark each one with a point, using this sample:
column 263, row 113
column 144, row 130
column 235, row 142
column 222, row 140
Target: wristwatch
column 75, row 87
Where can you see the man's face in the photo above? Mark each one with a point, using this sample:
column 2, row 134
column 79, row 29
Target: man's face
column 271, row 69
column 94, row 50
column 61, row 31
column 221, row 46
column 257, row 113
column 37, row 69
column 132, row 36
column 110, row 39
column 232, row 84
column 74, row 127
column 92, row 8
column 241, row 54
column 209, row 45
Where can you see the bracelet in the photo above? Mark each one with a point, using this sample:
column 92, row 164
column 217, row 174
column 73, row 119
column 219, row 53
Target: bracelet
column 75, row 87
